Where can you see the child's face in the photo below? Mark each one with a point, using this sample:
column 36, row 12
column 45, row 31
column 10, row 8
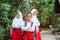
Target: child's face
column 28, row 17
column 35, row 13
column 17, row 15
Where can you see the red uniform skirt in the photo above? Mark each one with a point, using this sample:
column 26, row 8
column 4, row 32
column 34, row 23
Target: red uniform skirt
column 28, row 35
column 38, row 35
column 16, row 34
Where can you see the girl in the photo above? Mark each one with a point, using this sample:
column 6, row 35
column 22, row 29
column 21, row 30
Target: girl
column 16, row 27
column 36, row 22
column 28, row 28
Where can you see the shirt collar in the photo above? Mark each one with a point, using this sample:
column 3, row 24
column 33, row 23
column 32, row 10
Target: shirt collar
column 29, row 22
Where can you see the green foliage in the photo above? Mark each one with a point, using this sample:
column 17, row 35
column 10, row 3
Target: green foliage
column 1, row 31
column 45, row 9
column 57, row 18
column 5, row 6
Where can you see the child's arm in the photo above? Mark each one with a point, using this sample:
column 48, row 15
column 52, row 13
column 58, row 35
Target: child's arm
column 14, row 24
column 25, row 28
column 37, row 23
column 32, row 28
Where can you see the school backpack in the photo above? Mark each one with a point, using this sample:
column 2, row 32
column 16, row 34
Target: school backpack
column 26, row 23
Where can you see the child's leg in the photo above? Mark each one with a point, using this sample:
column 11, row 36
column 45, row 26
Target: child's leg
column 19, row 34
column 30, row 36
column 14, row 35
column 25, row 36
column 38, row 36
column 11, row 30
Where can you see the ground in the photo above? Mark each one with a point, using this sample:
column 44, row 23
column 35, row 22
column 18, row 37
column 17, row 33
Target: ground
column 49, row 36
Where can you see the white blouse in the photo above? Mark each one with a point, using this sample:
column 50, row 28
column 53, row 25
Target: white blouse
column 28, row 27
column 35, row 21
column 17, row 23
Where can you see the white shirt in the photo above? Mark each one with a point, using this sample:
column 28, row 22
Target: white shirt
column 35, row 21
column 28, row 26
column 17, row 23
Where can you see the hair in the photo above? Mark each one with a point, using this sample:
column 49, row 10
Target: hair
column 28, row 13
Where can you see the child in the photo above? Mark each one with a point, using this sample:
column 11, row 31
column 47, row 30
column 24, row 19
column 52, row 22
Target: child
column 28, row 28
column 16, row 25
column 36, row 22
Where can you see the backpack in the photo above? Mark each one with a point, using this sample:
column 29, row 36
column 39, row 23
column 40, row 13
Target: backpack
column 26, row 23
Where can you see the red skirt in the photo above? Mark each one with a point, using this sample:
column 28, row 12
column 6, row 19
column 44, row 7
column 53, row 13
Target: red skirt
column 28, row 36
column 17, row 34
column 38, row 35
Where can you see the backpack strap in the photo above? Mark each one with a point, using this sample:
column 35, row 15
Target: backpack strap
column 31, row 24
column 26, row 23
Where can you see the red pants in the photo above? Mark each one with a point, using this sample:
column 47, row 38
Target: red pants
column 38, row 35
column 17, row 34
column 28, row 36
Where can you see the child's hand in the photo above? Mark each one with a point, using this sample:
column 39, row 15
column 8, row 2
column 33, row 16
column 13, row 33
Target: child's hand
column 28, row 29
column 23, row 25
